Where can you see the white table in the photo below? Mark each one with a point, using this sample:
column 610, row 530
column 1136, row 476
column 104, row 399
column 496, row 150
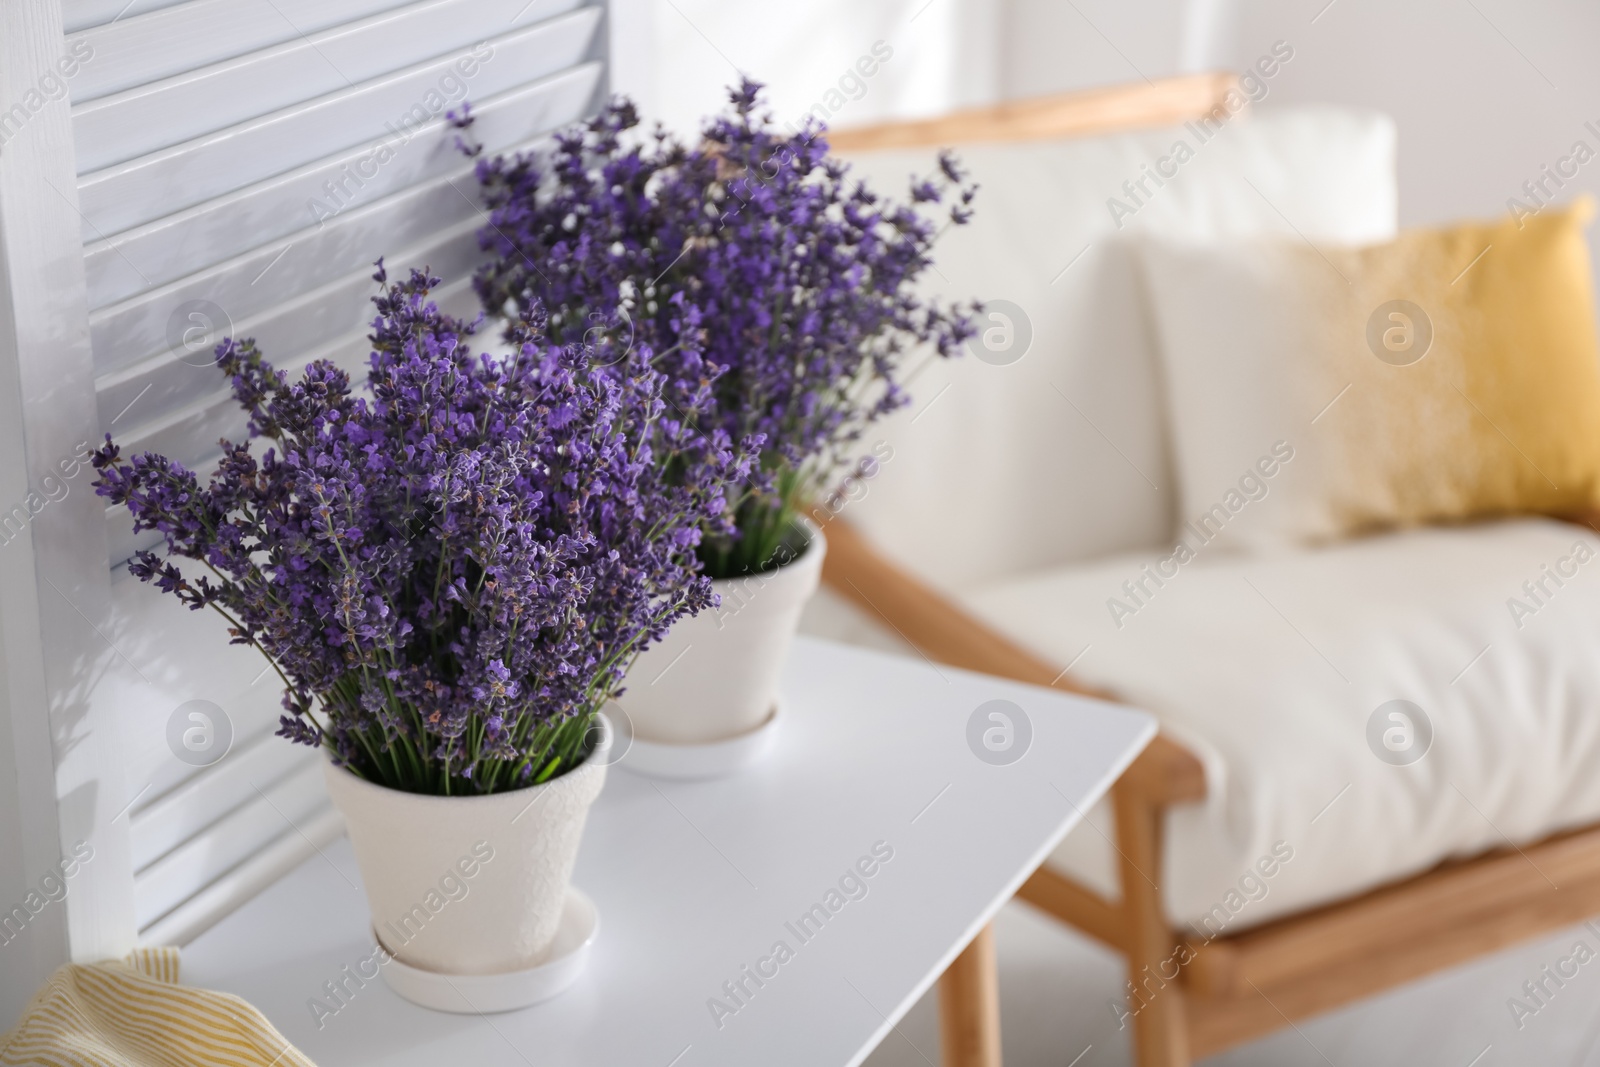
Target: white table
column 696, row 880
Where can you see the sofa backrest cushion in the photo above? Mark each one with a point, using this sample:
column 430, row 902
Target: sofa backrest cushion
column 1045, row 442
column 1451, row 374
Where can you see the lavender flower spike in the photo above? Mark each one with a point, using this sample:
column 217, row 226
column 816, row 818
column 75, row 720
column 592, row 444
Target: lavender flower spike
column 452, row 571
column 751, row 263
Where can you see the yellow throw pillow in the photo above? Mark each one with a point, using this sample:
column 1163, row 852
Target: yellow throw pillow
column 1450, row 374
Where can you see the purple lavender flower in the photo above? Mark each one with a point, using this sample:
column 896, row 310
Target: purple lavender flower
column 751, row 263
column 452, row 573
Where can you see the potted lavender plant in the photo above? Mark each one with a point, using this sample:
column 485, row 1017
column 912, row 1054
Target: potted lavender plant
column 451, row 575
column 754, row 261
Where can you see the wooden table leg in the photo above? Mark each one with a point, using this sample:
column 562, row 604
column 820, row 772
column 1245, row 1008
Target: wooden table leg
column 969, row 1006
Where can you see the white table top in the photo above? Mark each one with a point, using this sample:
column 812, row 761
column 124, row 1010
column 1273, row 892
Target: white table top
column 696, row 880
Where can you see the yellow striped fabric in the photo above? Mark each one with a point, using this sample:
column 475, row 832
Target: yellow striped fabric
column 133, row 1013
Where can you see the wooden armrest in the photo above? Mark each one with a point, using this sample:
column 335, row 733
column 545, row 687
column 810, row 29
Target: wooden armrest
column 1163, row 102
column 1165, row 773
column 926, row 619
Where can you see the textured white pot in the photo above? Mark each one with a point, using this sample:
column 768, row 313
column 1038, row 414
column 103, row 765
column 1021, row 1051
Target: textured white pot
column 469, row 885
column 715, row 675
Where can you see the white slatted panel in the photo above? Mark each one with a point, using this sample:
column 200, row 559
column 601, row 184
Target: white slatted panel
column 214, row 164
column 191, row 866
column 135, row 50
column 119, row 127
column 86, row 14
column 148, row 261
column 214, row 793
column 253, row 157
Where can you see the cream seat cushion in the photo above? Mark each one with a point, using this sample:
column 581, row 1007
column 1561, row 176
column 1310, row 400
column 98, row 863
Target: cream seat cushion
column 1271, row 667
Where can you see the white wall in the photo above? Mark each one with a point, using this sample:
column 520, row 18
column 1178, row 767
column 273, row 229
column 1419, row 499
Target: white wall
column 676, row 57
column 1485, row 92
column 1050, row 46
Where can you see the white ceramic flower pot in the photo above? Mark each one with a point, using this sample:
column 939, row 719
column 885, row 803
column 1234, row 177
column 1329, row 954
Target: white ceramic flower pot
column 469, row 885
column 714, row 677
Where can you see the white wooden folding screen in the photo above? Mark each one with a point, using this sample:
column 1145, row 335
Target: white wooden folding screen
column 172, row 171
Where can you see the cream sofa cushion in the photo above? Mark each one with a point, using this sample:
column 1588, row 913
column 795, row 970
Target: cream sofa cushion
column 1450, row 374
column 1271, row 669
column 1054, row 449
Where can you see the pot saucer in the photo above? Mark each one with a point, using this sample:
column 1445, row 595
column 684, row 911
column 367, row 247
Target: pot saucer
column 713, row 759
column 484, row 994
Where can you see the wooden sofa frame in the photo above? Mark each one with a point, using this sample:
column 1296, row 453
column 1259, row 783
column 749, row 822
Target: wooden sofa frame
column 1194, row 996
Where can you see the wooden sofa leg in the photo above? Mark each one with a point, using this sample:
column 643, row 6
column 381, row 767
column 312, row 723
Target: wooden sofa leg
column 1155, row 989
column 969, row 1006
